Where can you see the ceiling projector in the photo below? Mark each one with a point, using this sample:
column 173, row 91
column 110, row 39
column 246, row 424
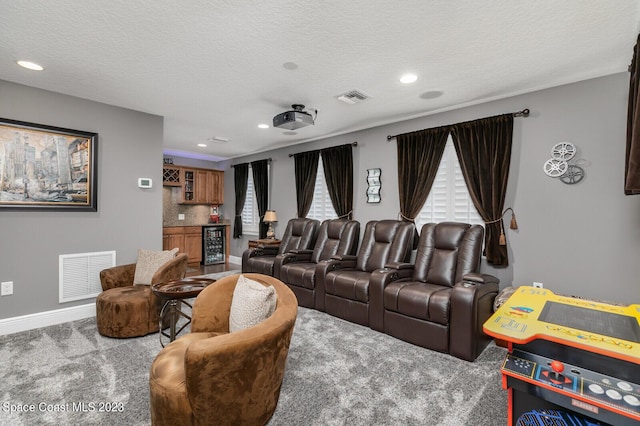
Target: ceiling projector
column 294, row 119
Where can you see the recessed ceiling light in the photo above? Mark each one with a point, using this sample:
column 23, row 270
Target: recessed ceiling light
column 431, row 94
column 263, row 126
column 30, row 65
column 408, row 78
column 202, row 145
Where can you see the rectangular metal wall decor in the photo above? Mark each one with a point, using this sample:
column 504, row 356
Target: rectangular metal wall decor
column 374, row 184
column 46, row 167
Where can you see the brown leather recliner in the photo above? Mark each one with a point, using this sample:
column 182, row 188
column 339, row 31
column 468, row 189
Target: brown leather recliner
column 213, row 377
column 297, row 267
column 441, row 302
column 127, row 310
column 299, row 234
column 342, row 283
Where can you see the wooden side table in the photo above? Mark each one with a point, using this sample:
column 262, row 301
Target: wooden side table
column 264, row 242
column 174, row 293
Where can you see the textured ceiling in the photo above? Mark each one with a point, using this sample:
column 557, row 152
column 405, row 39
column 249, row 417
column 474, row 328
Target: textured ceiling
column 215, row 67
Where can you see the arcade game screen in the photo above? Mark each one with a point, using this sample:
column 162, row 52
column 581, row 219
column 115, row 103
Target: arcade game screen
column 591, row 320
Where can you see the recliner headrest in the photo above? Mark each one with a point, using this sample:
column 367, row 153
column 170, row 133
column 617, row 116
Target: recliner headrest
column 335, row 228
column 385, row 231
column 297, row 227
column 448, row 235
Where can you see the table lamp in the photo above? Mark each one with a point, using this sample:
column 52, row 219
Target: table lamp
column 270, row 217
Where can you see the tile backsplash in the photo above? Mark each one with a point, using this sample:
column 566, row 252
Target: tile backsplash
column 193, row 215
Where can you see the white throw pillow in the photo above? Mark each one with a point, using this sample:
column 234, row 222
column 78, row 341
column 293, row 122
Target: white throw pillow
column 149, row 262
column 251, row 304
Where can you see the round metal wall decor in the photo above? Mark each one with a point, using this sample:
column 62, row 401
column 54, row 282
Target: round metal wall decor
column 573, row 175
column 564, row 151
column 558, row 165
column 555, row 168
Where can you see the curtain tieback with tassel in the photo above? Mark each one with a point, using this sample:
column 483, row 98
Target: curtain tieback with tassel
column 348, row 215
column 408, row 219
column 513, row 225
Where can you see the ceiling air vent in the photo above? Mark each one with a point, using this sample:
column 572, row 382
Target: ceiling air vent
column 353, row 97
column 219, row 139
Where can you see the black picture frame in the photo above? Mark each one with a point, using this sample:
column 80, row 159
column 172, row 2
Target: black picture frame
column 47, row 168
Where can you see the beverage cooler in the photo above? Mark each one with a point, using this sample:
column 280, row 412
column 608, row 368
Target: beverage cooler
column 213, row 244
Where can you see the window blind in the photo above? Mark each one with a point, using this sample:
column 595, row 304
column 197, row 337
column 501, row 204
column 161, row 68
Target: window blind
column 321, row 207
column 250, row 218
column 449, row 199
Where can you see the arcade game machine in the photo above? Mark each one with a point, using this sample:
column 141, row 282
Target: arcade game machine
column 570, row 361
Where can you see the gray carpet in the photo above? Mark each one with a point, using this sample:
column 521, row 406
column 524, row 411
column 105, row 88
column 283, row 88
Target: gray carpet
column 337, row 373
column 340, row 373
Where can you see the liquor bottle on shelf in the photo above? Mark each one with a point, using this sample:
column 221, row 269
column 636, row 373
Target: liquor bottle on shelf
column 188, row 185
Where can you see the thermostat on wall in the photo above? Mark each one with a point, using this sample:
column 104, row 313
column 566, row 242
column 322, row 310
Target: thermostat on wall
column 144, row 183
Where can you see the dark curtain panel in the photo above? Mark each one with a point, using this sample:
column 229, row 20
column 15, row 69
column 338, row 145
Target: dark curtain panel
column 632, row 163
column 240, row 179
column 419, row 155
column 261, row 184
column 337, row 163
column 306, row 169
column 484, row 151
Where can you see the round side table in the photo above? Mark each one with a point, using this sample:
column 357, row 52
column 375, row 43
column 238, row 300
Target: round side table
column 174, row 293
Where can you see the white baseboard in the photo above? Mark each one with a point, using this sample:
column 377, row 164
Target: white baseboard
column 235, row 260
column 43, row 319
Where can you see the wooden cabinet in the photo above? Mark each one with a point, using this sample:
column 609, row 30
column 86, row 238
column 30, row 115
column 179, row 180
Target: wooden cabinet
column 171, row 176
column 198, row 186
column 215, row 187
column 193, row 243
column 188, row 239
column 209, row 187
column 173, row 237
column 187, row 179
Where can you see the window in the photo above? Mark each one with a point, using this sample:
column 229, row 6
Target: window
column 449, row 199
column 321, row 207
column 250, row 218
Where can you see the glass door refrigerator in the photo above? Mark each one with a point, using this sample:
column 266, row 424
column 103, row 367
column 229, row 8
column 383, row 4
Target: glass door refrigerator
column 213, row 244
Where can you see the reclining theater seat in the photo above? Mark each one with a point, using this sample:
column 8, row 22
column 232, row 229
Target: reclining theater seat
column 299, row 234
column 342, row 283
column 297, row 268
column 441, row 302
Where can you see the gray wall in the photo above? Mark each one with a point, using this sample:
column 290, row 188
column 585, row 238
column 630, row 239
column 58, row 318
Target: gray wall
column 579, row 239
column 128, row 218
column 582, row 239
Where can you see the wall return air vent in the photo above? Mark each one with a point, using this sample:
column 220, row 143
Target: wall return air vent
column 79, row 274
column 353, row 97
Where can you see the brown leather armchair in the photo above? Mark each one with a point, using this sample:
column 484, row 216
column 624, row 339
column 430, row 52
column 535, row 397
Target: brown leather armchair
column 299, row 234
column 342, row 283
column 297, row 268
column 213, row 377
column 441, row 302
column 127, row 310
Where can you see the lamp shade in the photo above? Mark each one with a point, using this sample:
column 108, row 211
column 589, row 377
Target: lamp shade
column 270, row 216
